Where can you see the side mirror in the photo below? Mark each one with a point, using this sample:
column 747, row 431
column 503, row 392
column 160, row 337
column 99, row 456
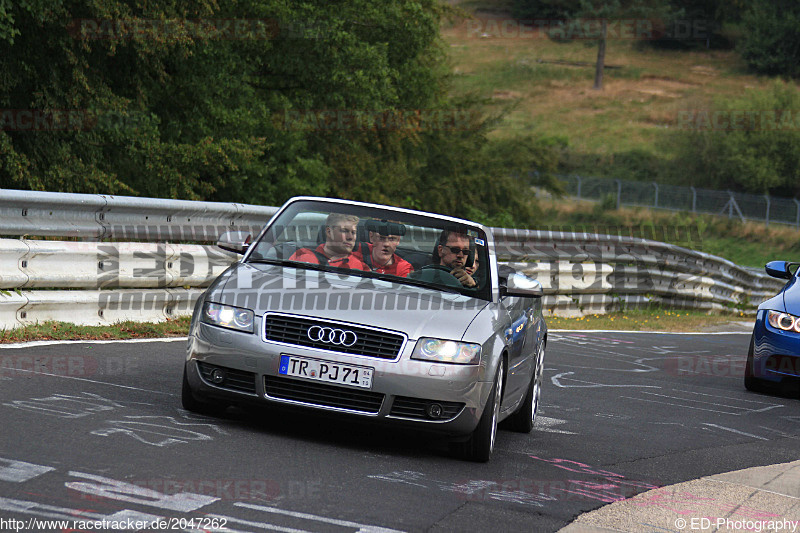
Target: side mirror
column 521, row 286
column 780, row 269
column 235, row 241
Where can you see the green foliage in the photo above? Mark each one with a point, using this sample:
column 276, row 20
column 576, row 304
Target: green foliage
column 250, row 101
column 545, row 9
column 751, row 143
column 771, row 44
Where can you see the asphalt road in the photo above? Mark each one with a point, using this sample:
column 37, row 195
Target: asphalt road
column 96, row 431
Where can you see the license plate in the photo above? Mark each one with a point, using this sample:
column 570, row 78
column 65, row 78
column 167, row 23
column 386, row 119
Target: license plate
column 355, row 376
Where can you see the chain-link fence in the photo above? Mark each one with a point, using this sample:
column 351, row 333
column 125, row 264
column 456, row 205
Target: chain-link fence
column 751, row 207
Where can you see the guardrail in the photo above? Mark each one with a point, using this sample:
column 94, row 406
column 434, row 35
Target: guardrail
column 587, row 273
column 153, row 281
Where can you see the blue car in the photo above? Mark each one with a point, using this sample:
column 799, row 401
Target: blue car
column 773, row 361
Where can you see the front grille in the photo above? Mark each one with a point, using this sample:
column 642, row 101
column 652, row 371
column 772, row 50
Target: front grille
column 323, row 395
column 371, row 342
column 417, row 408
column 235, row 380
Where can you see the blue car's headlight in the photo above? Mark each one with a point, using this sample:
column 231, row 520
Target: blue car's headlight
column 783, row 321
column 444, row 351
column 227, row 316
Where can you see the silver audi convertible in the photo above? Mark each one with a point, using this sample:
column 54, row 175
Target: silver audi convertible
column 372, row 311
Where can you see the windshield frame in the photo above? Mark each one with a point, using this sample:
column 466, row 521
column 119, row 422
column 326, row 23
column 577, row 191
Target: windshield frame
column 423, row 221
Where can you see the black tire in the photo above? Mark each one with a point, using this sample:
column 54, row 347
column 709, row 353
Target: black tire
column 479, row 446
column 751, row 382
column 192, row 404
column 524, row 418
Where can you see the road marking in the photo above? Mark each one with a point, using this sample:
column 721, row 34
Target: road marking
column 543, row 423
column 781, row 433
column 262, row 525
column 36, row 344
column 733, row 409
column 559, row 378
column 734, row 431
column 521, row 491
column 67, row 406
column 142, row 427
column 127, row 492
column 626, row 332
column 305, row 516
column 38, row 373
column 20, row 471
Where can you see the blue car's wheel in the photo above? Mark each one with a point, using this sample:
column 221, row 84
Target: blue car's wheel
column 751, row 382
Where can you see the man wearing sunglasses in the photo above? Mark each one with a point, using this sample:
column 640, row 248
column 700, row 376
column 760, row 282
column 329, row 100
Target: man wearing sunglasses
column 453, row 254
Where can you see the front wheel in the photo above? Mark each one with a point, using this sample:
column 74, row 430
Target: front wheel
column 480, row 444
column 751, row 382
column 192, row 404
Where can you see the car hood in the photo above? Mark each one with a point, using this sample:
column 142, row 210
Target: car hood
column 791, row 297
column 415, row 311
column 787, row 300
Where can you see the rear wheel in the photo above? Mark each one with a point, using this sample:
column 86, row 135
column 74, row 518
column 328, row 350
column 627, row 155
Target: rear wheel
column 525, row 417
column 480, row 444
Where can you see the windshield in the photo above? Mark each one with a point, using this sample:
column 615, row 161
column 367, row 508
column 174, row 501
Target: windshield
column 414, row 249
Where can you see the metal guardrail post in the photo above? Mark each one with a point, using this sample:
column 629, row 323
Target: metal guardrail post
column 766, row 217
column 797, row 220
column 655, row 203
column 581, row 271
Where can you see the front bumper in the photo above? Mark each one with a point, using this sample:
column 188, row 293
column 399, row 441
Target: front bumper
column 403, row 390
column 776, row 353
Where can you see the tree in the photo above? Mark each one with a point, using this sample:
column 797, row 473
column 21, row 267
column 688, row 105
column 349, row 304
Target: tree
column 251, row 101
column 750, row 143
column 629, row 19
column 772, row 43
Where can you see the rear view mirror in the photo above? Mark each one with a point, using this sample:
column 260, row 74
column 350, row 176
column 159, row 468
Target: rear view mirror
column 235, row 241
column 780, row 269
column 522, row 286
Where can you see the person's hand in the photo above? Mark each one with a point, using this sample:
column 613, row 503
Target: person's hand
column 463, row 277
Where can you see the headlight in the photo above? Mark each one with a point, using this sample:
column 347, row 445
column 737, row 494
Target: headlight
column 783, row 321
column 443, row 351
column 228, row 317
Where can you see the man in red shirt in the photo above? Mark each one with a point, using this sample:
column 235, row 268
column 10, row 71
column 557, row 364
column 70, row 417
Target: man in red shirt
column 381, row 257
column 337, row 250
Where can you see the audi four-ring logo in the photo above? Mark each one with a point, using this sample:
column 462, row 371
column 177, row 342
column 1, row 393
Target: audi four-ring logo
column 340, row 337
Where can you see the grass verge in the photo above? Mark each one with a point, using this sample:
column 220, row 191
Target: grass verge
column 678, row 321
column 747, row 244
column 178, row 327
column 634, row 320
